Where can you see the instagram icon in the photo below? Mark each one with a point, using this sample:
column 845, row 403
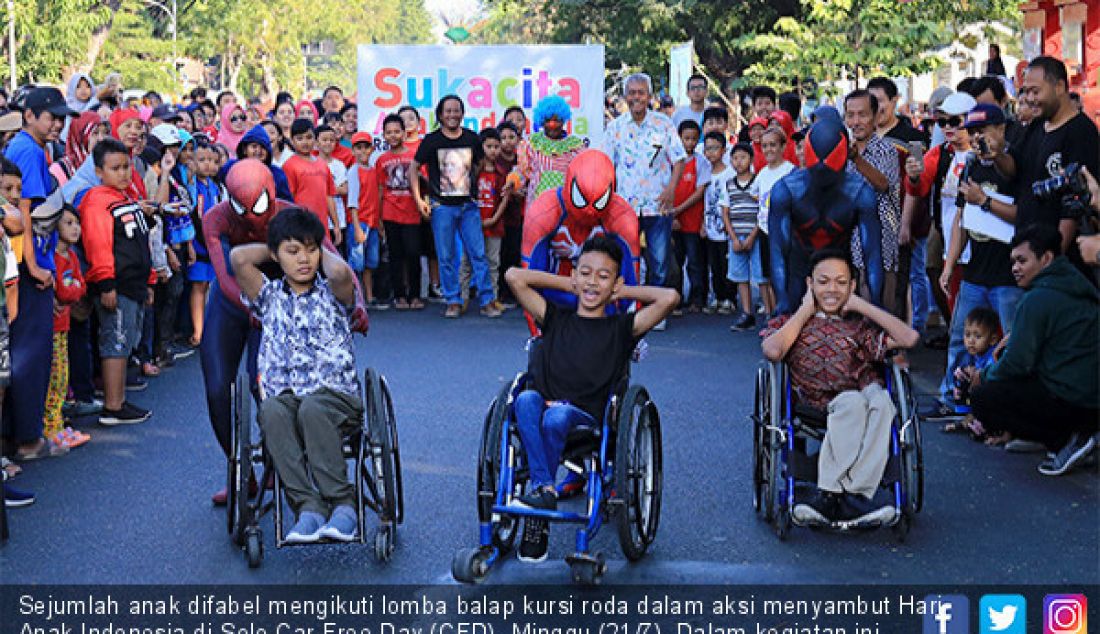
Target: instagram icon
column 1065, row 614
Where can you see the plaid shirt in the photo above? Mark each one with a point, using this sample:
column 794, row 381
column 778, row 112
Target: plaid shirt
column 306, row 342
column 832, row 355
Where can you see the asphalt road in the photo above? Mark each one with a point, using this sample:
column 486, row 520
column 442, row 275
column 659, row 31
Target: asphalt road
column 133, row 506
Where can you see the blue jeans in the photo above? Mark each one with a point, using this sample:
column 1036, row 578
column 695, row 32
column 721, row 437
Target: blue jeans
column 543, row 431
column 31, row 348
column 1002, row 299
column 465, row 221
column 920, row 287
column 658, row 241
column 689, row 250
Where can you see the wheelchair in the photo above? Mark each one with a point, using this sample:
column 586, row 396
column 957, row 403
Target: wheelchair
column 377, row 481
column 620, row 461
column 783, row 469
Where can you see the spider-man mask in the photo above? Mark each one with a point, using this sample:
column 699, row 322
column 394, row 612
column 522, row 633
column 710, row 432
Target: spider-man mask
column 826, row 151
column 589, row 185
column 251, row 191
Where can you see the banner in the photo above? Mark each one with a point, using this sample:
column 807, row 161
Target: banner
column 488, row 78
column 679, row 69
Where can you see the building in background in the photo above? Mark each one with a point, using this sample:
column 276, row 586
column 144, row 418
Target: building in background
column 1070, row 31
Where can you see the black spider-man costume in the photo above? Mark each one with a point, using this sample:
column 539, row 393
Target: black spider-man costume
column 816, row 208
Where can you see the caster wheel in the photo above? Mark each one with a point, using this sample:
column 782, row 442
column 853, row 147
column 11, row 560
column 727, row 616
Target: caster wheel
column 782, row 523
column 901, row 529
column 469, row 565
column 383, row 543
column 587, row 573
column 254, row 549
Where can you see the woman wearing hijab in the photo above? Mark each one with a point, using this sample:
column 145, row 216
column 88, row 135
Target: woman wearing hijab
column 234, row 122
column 306, row 110
column 84, row 132
column 80, row 95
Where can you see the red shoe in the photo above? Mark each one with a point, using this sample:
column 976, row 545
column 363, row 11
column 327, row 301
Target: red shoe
column 221, row 498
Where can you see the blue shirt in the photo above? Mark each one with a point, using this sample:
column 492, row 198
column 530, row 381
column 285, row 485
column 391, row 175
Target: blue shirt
column 31, row 160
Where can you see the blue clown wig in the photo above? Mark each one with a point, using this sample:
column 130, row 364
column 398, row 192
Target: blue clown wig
column 552, row 106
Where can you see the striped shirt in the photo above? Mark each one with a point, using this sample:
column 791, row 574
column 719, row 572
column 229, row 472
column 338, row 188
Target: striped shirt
column 742, row 205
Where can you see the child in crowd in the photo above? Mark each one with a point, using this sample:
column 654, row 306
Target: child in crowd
column 309, row 382
column 562, row 396
column 68, row 289
column 200, row 272
column 772, row 144
column 510, row 252
column 714, row 229
column 844, row 380
column 116, row 245
column 11, row 223
column 687, row 213
column 400, row 215
column 493, row 195
column 739, row 208
column 981, row 333
column 756, row 136
column 310, row 180
column 327, row 142
column 364, row 216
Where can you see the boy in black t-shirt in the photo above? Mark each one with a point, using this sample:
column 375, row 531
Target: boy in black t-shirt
column 582, row 356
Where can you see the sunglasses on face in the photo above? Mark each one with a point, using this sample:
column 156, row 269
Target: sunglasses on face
column 237, row 118
column 952, row 122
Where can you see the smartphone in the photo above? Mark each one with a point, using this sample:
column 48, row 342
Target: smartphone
column 983, row 146
column 916, row 150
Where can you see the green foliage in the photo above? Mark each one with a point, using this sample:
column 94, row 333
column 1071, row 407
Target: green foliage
column 144, row 60
column 50, row 35
column 850, row 39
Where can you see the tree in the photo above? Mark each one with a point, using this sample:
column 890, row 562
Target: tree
column 851, row 39
column 133, row 50
column 51, row 36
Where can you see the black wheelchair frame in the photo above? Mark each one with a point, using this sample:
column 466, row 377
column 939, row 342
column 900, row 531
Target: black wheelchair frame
column 622, row 463
column 377, row 481
column 782, row 427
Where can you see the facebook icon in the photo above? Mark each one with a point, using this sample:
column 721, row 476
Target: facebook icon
column 946, row 614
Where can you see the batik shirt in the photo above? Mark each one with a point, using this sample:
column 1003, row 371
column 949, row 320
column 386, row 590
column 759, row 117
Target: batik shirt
column 643, row 155
column 306, row 342
column 832, row 355
column 883, row 156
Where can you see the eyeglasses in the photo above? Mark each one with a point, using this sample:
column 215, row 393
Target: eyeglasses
column 237, row 119
column 952, row 122
column 697, row 87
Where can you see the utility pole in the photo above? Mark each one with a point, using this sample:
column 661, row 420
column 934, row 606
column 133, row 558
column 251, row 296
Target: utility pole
column 11, row 47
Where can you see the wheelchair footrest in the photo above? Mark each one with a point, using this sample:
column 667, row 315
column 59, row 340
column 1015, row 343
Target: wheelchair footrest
column 551, row 516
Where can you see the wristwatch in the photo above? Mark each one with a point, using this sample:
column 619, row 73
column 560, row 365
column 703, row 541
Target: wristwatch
column 987, row 204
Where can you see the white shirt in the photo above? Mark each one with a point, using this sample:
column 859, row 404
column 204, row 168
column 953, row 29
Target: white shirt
column 762, row 189
column 339, row 177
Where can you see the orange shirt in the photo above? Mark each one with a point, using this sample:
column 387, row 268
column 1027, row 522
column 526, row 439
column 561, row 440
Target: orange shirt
column 311, row 184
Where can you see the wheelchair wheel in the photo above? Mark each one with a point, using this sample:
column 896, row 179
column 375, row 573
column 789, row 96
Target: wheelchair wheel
column 238, row 511
column 505, row 528
column 760, row 418
column 771, row 439
column 382, row 469
column 912, row 453
column 638, row 472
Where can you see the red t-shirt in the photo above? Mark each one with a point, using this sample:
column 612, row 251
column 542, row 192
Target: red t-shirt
column 367, row 203
column 691, row 219
column 68, row 288
column 344, row 155
column 311, row 184
column 489, row 185
column 398, row 204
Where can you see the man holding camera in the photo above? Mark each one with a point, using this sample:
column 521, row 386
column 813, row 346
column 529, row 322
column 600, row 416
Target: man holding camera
column 1059, row 137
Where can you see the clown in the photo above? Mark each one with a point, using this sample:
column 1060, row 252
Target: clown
column 560, row 220
column 818, row 207
column 545, row 156
column 241, row 219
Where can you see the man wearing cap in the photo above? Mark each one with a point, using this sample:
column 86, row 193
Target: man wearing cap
column 936, row 179
column 164, row 113
column 987, row 280
column 44, row 115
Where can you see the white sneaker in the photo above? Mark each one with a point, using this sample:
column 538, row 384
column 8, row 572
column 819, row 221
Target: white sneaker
column 307, row 529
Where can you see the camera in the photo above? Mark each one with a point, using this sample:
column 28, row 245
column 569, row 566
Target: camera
column 1073, row 189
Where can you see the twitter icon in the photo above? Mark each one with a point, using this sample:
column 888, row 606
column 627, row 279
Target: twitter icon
column 1003, row 614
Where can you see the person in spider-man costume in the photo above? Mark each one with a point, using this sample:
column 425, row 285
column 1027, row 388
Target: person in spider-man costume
column 240, row 219
column 816, row 208
column 559, row 221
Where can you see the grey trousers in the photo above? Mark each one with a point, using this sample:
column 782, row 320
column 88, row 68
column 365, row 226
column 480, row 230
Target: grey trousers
column 857, row 443
column 309, row 430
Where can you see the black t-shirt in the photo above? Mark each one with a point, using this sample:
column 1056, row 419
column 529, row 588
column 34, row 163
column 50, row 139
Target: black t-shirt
column 451, row 173
column 581, row 359
column 904, row 133
column 1041, row 154
column 990, row 263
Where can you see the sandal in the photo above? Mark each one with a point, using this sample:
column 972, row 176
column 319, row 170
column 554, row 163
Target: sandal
column 45, row 449
column 73, row 438
column 956, row 427
column 150, row 369
column 10, row 468
column 401, row 304
column 417, row 304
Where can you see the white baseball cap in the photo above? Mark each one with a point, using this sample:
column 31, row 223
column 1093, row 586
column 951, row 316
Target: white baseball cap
column 957, row 103
column 167, row 134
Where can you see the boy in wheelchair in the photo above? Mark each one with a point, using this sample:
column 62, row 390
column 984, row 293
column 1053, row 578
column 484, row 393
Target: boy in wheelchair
column 306, row 366
column 833, row 346
column 582, row 357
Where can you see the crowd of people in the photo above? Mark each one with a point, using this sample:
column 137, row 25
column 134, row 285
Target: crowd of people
column 111, row 274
